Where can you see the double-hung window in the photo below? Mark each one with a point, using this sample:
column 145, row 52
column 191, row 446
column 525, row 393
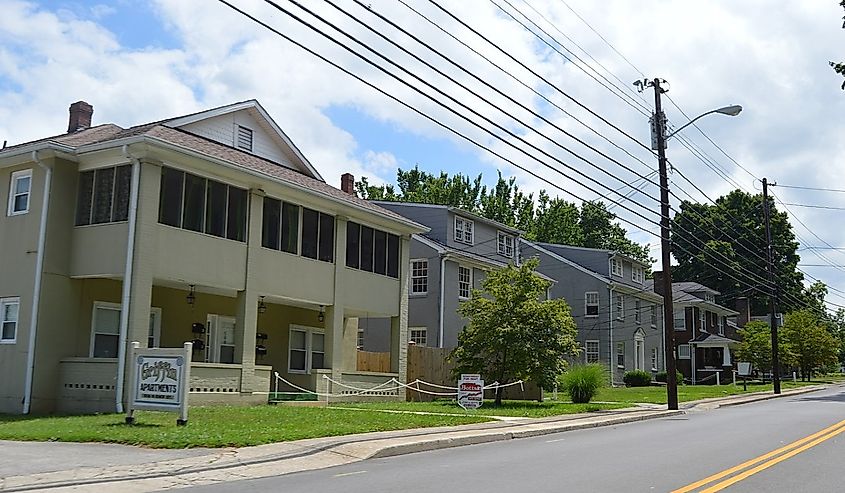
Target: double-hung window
column 681, row 319
column 637, row 274
column 9, row 312
column 653, row 310
column 505, row 244
column 620, row 307
column 654, row 360
column 616, row 267
column 591, row 304
column 702, row 320
column 105, row 330
column 721, row 324
column 591, row 351
column 19, row 191
column 419, row 276
column 638, row 318
column 464, row 281
column 620, row 355
column 306, row 350
column 463, row 230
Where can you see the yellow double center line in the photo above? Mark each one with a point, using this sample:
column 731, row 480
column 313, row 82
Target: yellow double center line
column 764, row 461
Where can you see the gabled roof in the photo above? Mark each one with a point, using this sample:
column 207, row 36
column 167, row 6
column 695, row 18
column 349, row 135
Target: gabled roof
column 609, row 253
column 457, row 253
column 682, row 294
column 705, row 339
column 456, row 210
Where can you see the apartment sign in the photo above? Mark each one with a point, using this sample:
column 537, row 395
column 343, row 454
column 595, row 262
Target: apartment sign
column 470, row 391
column 159, row 380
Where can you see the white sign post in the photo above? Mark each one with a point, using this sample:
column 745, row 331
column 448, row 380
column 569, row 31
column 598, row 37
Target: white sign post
column 159, row 380
column 470, row 391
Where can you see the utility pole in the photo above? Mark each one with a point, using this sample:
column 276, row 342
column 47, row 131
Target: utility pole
column 659, row 133
column 773, row 290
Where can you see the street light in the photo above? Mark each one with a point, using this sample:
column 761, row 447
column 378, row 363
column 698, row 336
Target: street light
column 659, row 138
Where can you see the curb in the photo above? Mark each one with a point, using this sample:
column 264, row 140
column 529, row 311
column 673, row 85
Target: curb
column 766, row 397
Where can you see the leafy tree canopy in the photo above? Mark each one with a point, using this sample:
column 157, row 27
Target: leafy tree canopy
column 815, row 350
column 756, row 347
column 513, row 332
column 714, row 244
column 551, row 220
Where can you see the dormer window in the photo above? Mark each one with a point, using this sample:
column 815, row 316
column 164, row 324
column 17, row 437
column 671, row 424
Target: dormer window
column 463, row 230
column 243, row 139
column 637, row 275
column 616, row 267
column 710, row 297
column 505, row 242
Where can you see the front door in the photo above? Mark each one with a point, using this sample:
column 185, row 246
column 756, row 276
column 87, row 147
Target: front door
column 221, row 339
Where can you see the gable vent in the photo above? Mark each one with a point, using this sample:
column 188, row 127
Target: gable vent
column 244, row 139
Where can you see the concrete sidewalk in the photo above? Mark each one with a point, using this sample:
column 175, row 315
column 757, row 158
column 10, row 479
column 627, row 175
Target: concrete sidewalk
column 131, row 469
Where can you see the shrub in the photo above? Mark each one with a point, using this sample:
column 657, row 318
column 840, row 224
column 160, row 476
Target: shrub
column 661, row 377
column 637, row 378
column 582, row 382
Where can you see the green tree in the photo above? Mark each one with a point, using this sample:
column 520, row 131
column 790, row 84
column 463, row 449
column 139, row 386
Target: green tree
column 756, row 347
column 513, row 332
column 839, row 68
column 600, row 231
column 814, row 349
column 556, row 221
column 712, row 241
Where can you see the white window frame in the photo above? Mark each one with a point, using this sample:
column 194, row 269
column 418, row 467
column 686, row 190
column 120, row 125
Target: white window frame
column 616, row 268
column 619, row 306
column 461, row 282
column 683, row 351
column 720, row 324
column 589, row 302
column 683, row 318
column 419, row 331
column 588, row 351
column 309, row 348
column 13, row 182
column 637, row 274
column 653, row 310
column 464, row 230
column 638, row 307
column 414, row 276
column 214, row 337
column 702, row 320
column 655, row 358
column 4, row 302
column 620, row 351
column 154, row 312
column 505, row 244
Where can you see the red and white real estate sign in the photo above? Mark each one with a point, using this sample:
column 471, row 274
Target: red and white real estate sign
column 470, row 391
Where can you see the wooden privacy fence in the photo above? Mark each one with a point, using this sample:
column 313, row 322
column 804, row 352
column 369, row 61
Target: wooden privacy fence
column 369, row 361
column 430, row 365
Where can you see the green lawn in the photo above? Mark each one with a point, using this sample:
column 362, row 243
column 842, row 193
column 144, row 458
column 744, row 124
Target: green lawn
column 217, row 426
column 526, row 409
column 657, row 395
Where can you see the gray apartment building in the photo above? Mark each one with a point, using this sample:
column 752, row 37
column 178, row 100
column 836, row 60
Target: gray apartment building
column 617, row 313
column 445, row 265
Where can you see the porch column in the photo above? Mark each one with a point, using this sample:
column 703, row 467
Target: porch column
column 246, row 321
column 726, row 356
column 335, row 314
column 399, row 324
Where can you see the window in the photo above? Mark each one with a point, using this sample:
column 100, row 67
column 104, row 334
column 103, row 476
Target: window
column 721, row 325
column 419, row 276
column 463, row 230
column 620, row 307
column 105, row 330
column 505, row 244
column 418, row 336
column 710, row 297
column 19, row 189
column 244, row 139
column 616, row 267
column 638, row 318
column 654, row 360
column 702, row 320
column 591, row 351
column 103, row 195
column 280, row 230
column 306, row 349
column 9, row 311
column 187, row 201
column 620, row 355
column 591, row 304
column 637, row 275
column 464, row 281
column 653, row 311
column 681, row 319
column 683, row 351
column 360, row 338
column 290, row 228
column 372, row 250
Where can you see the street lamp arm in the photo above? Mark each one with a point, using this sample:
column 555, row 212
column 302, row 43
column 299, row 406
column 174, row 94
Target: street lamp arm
column 727, row 110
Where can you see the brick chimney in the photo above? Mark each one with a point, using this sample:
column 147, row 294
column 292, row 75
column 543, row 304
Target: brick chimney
column 744, row 309
column 658, row 281
column 347, row 183
column 80, row 116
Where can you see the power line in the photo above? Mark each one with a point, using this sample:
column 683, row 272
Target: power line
column 818, row 189
column 811, row 206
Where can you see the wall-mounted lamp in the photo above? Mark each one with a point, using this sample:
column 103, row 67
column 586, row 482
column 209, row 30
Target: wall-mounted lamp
column 191, row 296
column 321, row 316
column 262, row 307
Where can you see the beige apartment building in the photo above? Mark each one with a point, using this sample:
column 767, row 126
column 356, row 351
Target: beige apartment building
column 211, row 227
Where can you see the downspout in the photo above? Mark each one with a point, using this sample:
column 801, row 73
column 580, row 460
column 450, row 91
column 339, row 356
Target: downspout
column 36, row 292
column 442, row 296
column 127, row 280
column 611, row 354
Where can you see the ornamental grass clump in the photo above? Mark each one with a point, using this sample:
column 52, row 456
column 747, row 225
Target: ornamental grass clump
column 582, row 382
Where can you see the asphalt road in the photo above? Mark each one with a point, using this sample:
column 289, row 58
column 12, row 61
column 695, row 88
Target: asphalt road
column 659, row 455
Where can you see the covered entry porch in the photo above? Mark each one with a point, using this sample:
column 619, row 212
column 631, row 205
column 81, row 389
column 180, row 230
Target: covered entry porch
column 711, row 358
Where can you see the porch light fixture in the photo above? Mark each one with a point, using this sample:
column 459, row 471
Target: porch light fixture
column 191, row 295
column 321, row 316
column 262, row 307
